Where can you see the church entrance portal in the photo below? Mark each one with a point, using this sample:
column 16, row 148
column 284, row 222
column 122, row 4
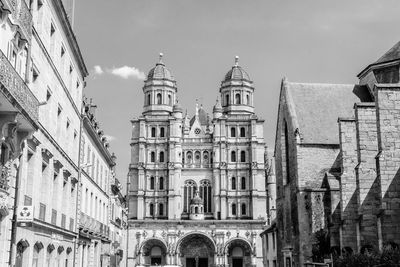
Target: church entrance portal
column 197, row 250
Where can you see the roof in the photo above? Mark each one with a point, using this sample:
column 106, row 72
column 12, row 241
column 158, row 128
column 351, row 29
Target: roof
column 318, row 106
column 237, row 73
column 203, row 117
column 392, row 54
column 160, row 72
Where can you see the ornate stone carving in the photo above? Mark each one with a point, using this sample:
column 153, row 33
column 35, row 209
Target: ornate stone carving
column 254, row 165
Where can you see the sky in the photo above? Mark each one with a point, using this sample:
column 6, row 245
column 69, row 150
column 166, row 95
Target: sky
column 305, row 41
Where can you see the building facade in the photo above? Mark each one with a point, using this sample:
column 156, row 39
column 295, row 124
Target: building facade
column 336, row 165
column 19, row 112
column 196, row 186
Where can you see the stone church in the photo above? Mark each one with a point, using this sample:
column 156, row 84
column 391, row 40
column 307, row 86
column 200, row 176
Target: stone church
column 197, row 185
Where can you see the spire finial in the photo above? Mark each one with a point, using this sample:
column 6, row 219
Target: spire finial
column 197, row 107
column 160, row 58
column 236, row 60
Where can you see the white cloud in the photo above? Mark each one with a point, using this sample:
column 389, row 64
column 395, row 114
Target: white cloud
column 109, row 138
column 98, row 70
column 126, row 72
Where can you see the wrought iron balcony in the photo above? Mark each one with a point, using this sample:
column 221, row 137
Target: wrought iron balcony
column 89, row 225
column 4, row 179
column 14, row 88
column 20, row 13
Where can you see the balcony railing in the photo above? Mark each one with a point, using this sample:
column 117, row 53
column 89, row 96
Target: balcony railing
column 4, row 179
column 93, row 227
column 14, row 88
column 20, row 14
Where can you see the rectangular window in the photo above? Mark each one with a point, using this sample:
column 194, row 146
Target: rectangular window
column 54, row 216
column 27, row 201
column 63, row 220
column 42, row 212
column 71, row 224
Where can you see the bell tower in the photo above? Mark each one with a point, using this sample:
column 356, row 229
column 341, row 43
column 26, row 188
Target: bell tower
column 159, row 90
column 237, row 91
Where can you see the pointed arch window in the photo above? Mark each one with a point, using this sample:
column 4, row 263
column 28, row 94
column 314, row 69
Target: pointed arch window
column 205, row 194
column 161, row 181
column 152, row 156
column 242, row 156
column 152, row 183
column 190, row 188
column 161, row 209
column 233, row 183
column 233, row 132
column 237, row 99
column 159, row 99
column 162, row 156
column 151, row 209
column 233, row 156
column 234, row 209
column 243, row 209
column 243, row 183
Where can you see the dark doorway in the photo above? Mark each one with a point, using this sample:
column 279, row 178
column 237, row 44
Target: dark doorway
column 237, row 262
column 155, row 261
column 203, row 262
column 190, row 262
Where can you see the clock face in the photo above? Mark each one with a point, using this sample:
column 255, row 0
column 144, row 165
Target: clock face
column 197, row 131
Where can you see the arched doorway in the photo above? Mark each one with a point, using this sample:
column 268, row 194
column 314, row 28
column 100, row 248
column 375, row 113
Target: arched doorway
column 20, row 257
column 238, row 252
column 196, row 250
column 154, row 252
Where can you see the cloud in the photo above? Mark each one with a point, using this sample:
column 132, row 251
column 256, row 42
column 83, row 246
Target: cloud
column 98, row 70
column 126, row 72
column 109, row 138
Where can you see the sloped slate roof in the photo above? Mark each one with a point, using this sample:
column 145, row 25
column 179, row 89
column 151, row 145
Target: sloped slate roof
column 392, row 54
column 318, row 107
column 203, row 117
column 236, row 73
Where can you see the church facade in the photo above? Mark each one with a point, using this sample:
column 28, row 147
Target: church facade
column 197, row 185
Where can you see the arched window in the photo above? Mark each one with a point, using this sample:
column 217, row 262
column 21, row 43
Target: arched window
column 243, row 183
column 248, row 100
column 159, row 99
column 196, row 210
column 161, row 181
column 234, row 209
column 233, row 132
column 161, row 209
column 205, row 157
column 183, row 157
column 242, row 156
column 188, row 193
column 189, row 157
column 162, row 156
column 233, row 156
column 152, row 156
column 237, row 99
column 226, row 99
column 243, row 209
column 152, row 183
column 148, row 99
column 242, row 132
column 151, row 209
column 153, row 131
column 197, row 158
column 162, row 132
column 233, row 183
column 206, row 195
column 170, row 100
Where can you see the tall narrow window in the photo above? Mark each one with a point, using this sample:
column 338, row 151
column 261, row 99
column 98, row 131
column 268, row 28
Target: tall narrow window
column 148, row 99
column 151, row 209
column 205, row 194
column 248, row 100
column 243, row 209
column 188, row 194
column 237, row 99
column 242, row 132
column 152, row 183
column 233, row 132
column 233, row 156
column 153, row 131
column 170, row 100
column 234, row 209
column 162, row 156
column 162, row 132
column 233, row 183
column 287, row 154
column 243, row 183
column 152, row 156
column 159, row 99
column 226, row 99
column 161, row 181
column 161, row 209
column 242, row 156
